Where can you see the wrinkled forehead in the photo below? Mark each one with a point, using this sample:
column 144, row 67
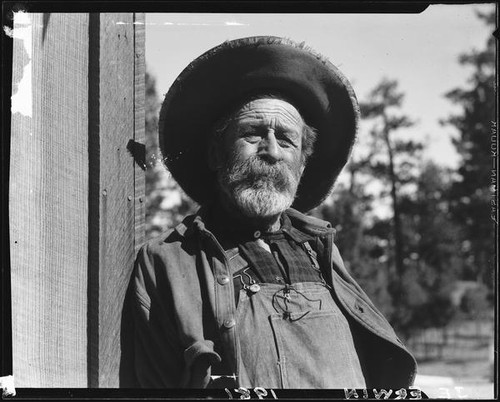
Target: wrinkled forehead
column 269, row 110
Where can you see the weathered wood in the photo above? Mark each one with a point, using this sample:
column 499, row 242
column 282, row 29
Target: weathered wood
column 76, row 216
column 140, row 129
column 117, row 179
column 113, row 201
column 48, row 205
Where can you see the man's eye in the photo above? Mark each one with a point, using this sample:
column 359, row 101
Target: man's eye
column 286, row 142
column 251, row 136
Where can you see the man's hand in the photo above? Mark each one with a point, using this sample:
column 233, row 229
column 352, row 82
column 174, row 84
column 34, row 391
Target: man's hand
column 200, row 372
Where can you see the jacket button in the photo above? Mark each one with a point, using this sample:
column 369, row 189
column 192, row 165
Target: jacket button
column 229, row 323
column 223, row 279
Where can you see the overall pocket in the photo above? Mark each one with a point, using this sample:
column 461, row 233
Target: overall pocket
column 256, row 344
column 316, row 350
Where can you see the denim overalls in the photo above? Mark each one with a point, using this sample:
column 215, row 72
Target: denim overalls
column 293, row 336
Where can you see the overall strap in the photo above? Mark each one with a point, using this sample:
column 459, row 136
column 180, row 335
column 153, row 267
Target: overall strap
column 313, row 256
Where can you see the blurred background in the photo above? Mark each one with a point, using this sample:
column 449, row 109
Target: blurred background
column 415, row 208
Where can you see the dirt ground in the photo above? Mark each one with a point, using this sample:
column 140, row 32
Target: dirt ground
column 457, row 378
column 473, row 370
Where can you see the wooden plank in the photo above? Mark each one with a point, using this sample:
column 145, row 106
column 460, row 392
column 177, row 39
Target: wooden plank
column 140, row 129
column 113, row 189
column 117, row 178
column 49, row 206
column 77, row 210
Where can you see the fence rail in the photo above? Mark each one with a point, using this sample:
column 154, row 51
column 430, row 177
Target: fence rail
column 462, row 340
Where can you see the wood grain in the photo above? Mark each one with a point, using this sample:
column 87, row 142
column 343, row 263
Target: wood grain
column 48, row 208
column 76, row 218
column 116, row 194
column 140, row 128
column 117, row 178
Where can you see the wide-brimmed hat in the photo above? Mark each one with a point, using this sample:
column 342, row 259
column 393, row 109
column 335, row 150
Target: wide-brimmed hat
column 222, row 77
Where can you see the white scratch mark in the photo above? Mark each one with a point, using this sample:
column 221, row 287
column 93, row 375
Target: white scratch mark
column 227, row 23
column 22, row 18
column 9, row 32
column 193, row 23
column 22, row 99
column 234, row 23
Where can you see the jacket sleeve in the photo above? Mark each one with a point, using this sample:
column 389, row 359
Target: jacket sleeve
column 155, row 354
column 152, row 356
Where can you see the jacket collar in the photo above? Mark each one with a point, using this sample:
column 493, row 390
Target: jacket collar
column 307, row 224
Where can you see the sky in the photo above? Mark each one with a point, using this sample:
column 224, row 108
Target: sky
column 420, row 51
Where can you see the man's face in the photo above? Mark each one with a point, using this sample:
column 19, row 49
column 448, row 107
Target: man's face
column 261, row 159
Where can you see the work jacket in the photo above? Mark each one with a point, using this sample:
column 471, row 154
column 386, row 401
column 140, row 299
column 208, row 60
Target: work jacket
column 178, row 326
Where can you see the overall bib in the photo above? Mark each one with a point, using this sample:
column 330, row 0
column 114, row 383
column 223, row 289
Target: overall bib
column 295, row 336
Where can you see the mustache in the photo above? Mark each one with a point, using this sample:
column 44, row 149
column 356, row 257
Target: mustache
column 256, row 172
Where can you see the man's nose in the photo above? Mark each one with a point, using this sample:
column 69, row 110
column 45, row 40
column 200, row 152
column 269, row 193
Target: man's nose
column 270, row 148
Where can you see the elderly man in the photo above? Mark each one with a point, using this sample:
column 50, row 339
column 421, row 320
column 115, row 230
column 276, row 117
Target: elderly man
column 249, row 288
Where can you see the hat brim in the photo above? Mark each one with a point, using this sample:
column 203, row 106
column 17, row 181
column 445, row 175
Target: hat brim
column 220, row 78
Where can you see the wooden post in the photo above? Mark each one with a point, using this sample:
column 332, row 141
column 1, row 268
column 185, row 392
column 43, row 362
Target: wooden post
column 76, row 216
column 115, row 120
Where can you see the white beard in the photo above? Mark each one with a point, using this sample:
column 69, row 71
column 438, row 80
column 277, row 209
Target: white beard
column 259, row 189
column 262, row 202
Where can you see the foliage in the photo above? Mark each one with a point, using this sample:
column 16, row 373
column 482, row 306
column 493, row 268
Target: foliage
column 440, row 230
column 474, row 302
column 472, row 193
column 407, row 261
column 166, row 203
column 363, row 252
column 394, row 162
column 430, row 239
column 383, row 108
column 429, row 242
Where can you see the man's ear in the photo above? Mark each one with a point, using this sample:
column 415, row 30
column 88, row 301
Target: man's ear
column 303, row 167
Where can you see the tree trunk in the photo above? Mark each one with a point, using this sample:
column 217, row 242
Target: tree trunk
column 398, row 252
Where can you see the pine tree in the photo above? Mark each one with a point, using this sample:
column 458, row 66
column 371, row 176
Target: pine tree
column 391, row 159
column 166, row 203
column 472, row 193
